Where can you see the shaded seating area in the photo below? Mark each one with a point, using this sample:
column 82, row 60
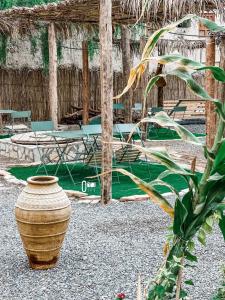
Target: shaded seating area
column 12, row 121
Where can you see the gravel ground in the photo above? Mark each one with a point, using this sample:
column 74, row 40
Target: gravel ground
column 104, row 251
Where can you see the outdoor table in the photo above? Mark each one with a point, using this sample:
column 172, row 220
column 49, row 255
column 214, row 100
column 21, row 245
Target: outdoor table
column 69, row 136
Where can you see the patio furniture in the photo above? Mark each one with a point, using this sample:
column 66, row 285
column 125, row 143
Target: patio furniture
column 7, row 112
column 24, row 116
column 95, row 120
column 128, row 153
column 154, row 110
column 42, row 126
column 152, row 127
column 137, row 107
column 44, row 153
column 63, row 149
column 118, row 111
column 124, row 130
column 118, row 106
column 178, row 113
column 92, row 133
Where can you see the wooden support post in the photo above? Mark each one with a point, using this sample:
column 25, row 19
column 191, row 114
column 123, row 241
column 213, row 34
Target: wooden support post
column 53, row 94
column 160, row 87
column 106, row 72
column 86, row 86
column 210, row 87
column 126, row 59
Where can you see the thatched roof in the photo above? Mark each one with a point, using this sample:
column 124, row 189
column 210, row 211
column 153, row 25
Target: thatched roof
column 123, row 11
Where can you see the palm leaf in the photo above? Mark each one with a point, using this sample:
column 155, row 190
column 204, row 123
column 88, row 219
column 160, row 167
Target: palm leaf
column 154, row 196
column 164, row 120
column 136, row 72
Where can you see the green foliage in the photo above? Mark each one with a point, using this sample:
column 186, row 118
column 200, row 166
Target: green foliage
column 59, row 50
column 196, row 212
column 44, row 49
column 221, row 291
column 93, row 48
column 5, row 4
column 33, row 45
column 3, row 48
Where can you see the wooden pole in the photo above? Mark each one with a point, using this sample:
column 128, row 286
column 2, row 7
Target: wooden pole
column 53, row 94
column 86, row 85
column 160, row 87
column 106, row 74
column 126, row 59
column 210, row 87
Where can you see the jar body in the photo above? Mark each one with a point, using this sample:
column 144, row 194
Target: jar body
column 42, row 213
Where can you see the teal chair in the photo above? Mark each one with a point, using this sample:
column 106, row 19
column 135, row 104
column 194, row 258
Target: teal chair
column 153, row 129
column 95, row 120
column 178, row 113
column 44, row 155
column 42, row 126
column 128, row 154
column 137, row 107
column 118, row 106
column 21, row 121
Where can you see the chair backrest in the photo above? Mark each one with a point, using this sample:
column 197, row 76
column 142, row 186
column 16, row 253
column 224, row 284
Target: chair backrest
column 138, row 106
column 155, row 110
column 94, row 158
column 126, row 128
column 21, row 115
column 42, row 126
column 118, row 106
column 95, row 129
column 127, row 154
column 179, row 109
column 95, row 120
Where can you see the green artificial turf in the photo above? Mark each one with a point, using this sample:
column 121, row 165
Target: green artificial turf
column 157, row 134
column 166, row 134
column 125, row 187
column 5, row 136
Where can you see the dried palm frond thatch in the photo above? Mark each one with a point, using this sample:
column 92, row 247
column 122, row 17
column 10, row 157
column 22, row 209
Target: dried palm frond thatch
column 123, row 11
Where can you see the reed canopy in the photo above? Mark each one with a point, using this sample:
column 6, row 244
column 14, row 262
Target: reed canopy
column 87, row 11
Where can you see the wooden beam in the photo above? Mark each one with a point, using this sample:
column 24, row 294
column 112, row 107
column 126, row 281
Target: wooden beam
column 86, row 84
column 211, row 119
column 126, row 59
column 106, row 74
column 53, row 94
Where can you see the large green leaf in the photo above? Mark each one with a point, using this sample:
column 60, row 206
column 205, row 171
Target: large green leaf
column 164, row 120
column 154, row 196
column 220, row 157
column 186, row 75
column 172, row 58
column 158, row 182
column 222, row 225
column 136, row 72
column 151, row 83
column 217, row 72
column 180, row 215
column 212, row 26
column 164, row 158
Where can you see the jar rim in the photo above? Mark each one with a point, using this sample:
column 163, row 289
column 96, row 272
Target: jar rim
column 42, row 180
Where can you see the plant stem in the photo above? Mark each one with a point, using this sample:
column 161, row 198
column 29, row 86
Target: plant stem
column 179, row 280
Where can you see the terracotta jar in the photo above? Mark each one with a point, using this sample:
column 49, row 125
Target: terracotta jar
column 42, row 213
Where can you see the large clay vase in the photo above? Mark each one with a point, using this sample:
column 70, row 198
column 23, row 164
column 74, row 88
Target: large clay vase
column 42, row 213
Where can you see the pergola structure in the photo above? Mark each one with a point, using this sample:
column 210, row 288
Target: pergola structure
column 89, row 13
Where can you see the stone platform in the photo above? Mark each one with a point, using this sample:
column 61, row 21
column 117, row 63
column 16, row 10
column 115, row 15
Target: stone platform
column 24, row 147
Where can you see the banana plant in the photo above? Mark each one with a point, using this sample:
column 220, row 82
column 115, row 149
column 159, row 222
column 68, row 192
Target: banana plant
column 194, row 213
